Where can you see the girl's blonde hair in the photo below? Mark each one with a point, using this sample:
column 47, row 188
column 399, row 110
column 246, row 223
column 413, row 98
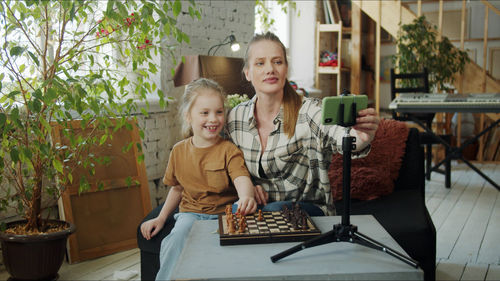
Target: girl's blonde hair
column 191, row 92
column 291, row 100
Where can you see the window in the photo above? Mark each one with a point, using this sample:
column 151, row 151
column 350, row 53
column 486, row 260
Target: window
column 270, row 16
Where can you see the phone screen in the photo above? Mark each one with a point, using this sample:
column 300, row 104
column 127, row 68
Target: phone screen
column 331, row 112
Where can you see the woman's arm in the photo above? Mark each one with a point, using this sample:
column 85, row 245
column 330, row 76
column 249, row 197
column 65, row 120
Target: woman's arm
column 245, row 189
column 151, row 227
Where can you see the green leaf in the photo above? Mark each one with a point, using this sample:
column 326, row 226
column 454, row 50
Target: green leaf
column 14, row 155
column 177, row 8
column 121, row 8
column 27, row 152
column 140, row 158
column 103, row 139
column 37, row 105
column 57, row 165
column 128, row 181
column 16, row 51
column 3, row 119
column 34, row 58
column 109, row 8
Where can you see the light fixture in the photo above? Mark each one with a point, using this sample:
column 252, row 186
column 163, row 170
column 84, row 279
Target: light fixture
column 235, row 46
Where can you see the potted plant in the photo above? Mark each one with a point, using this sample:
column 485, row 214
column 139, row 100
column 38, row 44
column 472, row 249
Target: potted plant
column 418, row 47
column 235, row 99
column 64, row 61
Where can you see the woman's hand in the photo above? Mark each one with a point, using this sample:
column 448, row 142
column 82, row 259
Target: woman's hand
column 151, row 227
column 247, row 205
column 261, row 195
column 366, row 125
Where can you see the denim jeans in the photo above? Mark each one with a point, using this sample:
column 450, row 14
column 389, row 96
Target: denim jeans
column 310, row 208
column 171, row 246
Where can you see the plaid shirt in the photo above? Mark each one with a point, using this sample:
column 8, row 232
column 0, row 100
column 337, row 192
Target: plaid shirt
column 295, row 169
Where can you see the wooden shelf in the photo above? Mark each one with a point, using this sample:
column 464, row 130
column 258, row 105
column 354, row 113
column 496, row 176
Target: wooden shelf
column 331, row 69
column 334, row 28
column 329, row 27
column 338, row 30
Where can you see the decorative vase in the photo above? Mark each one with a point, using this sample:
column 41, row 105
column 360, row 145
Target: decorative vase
column 35, row 257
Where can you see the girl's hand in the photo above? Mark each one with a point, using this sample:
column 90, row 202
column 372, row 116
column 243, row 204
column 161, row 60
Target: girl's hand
column 261, row 196
column 151, row 227
column 247, row 205
column 366, row 125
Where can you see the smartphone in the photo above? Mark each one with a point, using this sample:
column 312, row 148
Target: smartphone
column 331, row 108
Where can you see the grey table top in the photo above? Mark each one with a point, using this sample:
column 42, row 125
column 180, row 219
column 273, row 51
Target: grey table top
column 203, row 257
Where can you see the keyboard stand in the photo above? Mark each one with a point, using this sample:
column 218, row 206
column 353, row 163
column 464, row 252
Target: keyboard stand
column 456, row 152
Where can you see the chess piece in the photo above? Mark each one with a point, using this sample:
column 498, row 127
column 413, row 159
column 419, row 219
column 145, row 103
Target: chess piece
column 286, row 213
column 260, row 218
column 242, row 224
column 304, row 222
column 231, row 228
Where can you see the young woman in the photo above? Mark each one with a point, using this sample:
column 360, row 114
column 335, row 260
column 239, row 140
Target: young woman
column 286, row 148
column 200, row 171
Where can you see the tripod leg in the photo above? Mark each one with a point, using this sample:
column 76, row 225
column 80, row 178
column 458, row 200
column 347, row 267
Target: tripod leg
column 366, row 241
column 324, row 238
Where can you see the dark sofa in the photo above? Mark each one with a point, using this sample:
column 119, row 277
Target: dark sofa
column 402, row 213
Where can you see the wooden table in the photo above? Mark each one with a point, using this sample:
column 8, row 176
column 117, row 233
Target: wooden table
column 203, row 257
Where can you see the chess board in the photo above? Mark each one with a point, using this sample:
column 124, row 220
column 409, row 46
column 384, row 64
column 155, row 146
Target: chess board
column 273, row 228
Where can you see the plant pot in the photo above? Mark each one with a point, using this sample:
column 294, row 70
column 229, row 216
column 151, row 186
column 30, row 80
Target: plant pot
column 35, row 257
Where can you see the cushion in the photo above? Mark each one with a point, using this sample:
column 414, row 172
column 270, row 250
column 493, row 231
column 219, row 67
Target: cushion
column 374, row 175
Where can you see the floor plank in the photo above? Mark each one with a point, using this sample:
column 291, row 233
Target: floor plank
column 493, row 273
column 474, row 272
column 449, row 270
column 108, row 272
column 469, row 242
column 490, row 246
column 442, row 212
column 82, row 270
column 459, row 212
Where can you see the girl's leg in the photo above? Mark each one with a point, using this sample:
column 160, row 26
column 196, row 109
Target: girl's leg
column 171, row 246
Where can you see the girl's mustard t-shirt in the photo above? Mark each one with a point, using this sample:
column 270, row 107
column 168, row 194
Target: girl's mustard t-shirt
column 206, row 174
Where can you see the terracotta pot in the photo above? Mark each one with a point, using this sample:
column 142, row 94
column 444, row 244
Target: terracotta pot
column 35, row 257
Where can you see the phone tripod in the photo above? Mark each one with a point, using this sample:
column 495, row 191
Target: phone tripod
column 345, row 231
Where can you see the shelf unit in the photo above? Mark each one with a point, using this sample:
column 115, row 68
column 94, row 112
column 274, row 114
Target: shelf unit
column 338, row 70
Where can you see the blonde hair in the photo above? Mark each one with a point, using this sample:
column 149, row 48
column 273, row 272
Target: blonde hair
column 191, row 92
column 291, row 100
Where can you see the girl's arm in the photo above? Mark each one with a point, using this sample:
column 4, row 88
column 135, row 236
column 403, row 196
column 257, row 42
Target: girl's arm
column 245, row 189
column 151, row 227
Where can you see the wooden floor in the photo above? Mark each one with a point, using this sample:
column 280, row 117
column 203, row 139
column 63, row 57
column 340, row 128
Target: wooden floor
column 466, row 216
column 467, row 220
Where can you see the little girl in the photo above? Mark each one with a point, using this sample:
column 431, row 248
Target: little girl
column 200, row 170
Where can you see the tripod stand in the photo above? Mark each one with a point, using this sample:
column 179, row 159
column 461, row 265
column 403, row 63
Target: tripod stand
column 345, row 231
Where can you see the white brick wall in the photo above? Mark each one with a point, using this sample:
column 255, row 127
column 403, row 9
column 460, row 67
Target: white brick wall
column 162, row 127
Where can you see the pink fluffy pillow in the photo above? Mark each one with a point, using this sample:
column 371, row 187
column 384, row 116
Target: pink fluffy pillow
column 374, row 175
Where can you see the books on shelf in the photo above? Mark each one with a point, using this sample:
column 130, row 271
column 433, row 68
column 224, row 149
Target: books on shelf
column 331, row 11
column 328, row 15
